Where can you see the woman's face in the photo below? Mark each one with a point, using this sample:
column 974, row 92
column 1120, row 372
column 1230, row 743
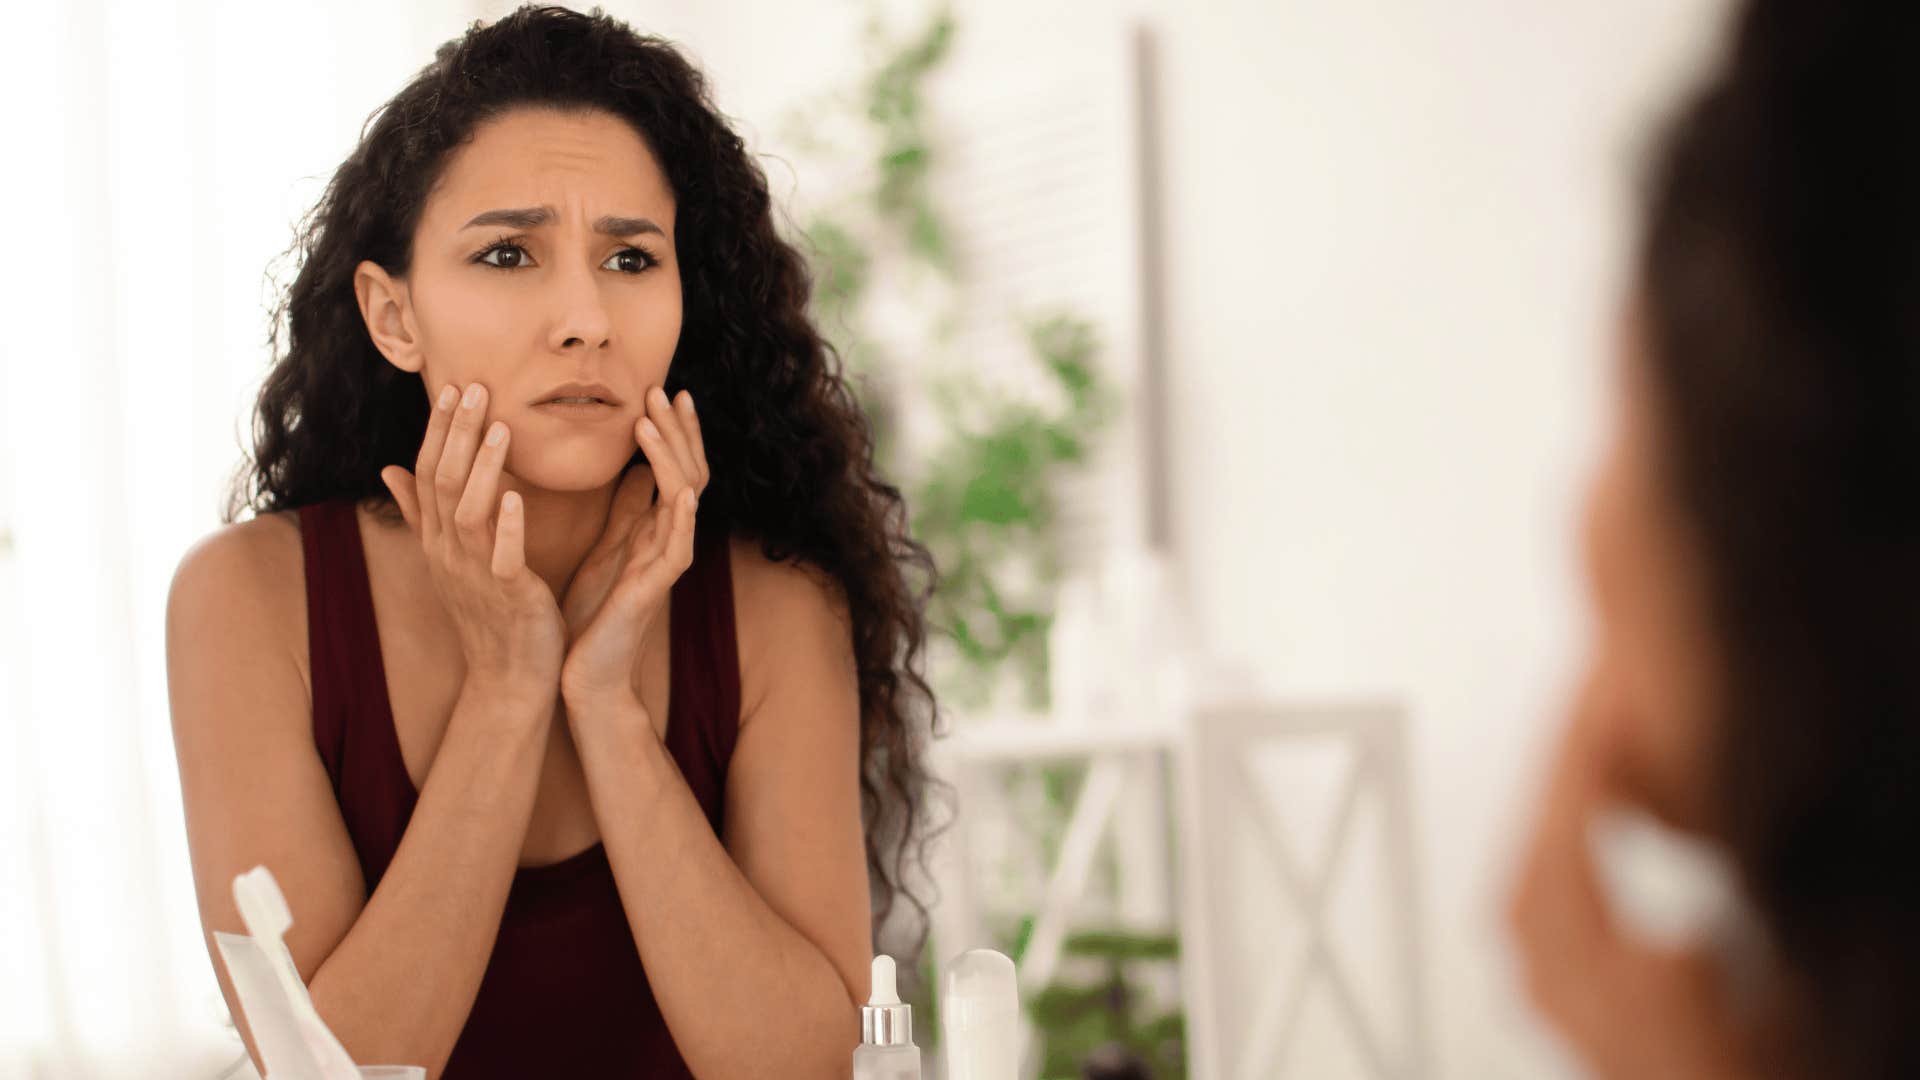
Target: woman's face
column 577, row 281
column 1638, row 735
column 1652, row 639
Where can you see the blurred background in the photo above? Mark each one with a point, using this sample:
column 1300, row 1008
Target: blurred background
column 1242, row 363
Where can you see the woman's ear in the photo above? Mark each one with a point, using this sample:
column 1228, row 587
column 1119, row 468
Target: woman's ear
column 385, row 307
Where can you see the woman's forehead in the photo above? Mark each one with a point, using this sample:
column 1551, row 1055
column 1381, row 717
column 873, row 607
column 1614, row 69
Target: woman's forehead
column 575, row 164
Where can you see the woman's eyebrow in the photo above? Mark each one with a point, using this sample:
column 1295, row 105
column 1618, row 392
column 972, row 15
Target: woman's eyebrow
column 533, row 217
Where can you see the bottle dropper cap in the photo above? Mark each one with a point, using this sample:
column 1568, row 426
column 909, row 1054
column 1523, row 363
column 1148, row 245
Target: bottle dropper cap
column 885, row 1020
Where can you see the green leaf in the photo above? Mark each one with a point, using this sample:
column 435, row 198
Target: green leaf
column 1122, row 945
column 1022, row 937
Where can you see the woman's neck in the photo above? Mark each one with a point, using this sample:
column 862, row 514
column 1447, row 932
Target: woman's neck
column 561, row 527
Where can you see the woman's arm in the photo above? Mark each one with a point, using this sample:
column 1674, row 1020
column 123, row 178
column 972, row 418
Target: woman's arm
column 399, row 986
column 758, row 951
column 393, row 975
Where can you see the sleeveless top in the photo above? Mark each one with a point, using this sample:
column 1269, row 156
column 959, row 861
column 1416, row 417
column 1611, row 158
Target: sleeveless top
column 565, row 993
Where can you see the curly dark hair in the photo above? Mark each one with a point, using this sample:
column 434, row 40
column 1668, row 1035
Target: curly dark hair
column 791, row 452
column 1780, row 268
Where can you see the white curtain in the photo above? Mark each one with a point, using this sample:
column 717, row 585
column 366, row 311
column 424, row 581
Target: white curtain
column 158, row 154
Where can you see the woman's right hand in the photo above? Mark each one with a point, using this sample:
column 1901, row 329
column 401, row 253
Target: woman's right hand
column 511, row 630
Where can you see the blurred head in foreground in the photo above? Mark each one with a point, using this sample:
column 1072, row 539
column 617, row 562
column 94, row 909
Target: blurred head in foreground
column 1753, row 551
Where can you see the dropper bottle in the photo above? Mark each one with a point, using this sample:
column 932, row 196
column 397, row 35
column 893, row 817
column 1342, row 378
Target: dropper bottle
column 886, row 1050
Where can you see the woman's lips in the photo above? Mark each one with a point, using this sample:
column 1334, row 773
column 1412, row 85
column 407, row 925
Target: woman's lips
column 578, row 410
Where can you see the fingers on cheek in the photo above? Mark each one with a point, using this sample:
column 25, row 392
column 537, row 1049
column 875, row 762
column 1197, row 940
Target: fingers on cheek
column 659, row 453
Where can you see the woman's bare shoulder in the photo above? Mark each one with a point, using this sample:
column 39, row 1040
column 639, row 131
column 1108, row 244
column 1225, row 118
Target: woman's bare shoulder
column 764, row 590
column 260, row 552
column 773, row 602
column 253, row 571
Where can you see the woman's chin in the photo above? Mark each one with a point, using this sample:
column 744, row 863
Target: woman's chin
column 566, row 473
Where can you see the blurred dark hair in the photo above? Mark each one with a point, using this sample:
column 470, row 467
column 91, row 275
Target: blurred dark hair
column 790, row 449
column 1781, row 287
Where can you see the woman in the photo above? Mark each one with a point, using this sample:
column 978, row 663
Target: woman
column 470, row 681
column 1753, row 544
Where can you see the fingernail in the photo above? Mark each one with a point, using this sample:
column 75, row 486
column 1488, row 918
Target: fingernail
column 447, row 394
column 497, row 432
column 473, row 396
column 649, row 427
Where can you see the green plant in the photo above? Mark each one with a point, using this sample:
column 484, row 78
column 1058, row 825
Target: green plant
column 987, row 501
column 983, row 499
column 1077, row 1021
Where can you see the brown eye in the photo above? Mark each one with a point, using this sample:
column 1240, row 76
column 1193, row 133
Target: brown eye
column 514, row 251
column 634, row 260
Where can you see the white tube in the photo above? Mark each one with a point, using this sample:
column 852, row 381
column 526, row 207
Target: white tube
column 980, row 1012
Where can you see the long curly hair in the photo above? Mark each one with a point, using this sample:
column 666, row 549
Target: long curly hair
column 1780, row 260
column 791, row 452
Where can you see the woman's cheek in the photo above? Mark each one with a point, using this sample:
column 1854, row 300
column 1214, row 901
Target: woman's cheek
column 1624, row 622
column 1651, row 635
column 664, row 317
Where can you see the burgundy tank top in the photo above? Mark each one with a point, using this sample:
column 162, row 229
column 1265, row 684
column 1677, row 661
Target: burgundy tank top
column 564, row 993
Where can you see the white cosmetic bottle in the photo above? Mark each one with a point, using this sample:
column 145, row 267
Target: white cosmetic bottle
column 886, row 1050
column 980, row 1021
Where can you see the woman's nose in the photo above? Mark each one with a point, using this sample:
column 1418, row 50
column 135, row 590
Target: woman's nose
column 581, row 311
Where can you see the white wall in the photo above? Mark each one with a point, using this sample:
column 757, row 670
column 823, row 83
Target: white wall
column 1396, row 232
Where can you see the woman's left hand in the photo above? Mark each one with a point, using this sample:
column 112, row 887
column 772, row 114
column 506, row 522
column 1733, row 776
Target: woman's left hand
column 620, row 588
column 1629, row 1008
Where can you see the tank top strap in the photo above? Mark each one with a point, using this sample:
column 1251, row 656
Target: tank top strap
column 705, row 673
column 352, row 715
column 348, row 674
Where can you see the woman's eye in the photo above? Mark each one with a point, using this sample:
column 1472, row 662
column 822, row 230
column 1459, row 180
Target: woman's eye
column 636, row 259
column 503, row 250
